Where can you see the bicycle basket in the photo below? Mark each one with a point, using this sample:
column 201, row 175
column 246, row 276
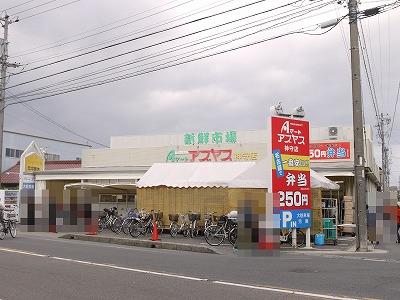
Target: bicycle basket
column 173, row 217
column 194, row 217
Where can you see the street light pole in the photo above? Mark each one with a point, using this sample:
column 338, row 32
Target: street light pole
column 358, row 132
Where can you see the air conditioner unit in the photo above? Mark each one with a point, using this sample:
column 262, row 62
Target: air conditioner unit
column 333, row 132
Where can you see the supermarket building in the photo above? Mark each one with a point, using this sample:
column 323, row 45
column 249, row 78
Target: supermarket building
column 113, row 172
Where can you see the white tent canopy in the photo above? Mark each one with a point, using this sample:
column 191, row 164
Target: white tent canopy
column 258, row 177
column 185, row 175
column 226, row 174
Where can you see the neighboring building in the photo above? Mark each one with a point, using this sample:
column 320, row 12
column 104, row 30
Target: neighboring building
column 14, row 144
column 10, row 177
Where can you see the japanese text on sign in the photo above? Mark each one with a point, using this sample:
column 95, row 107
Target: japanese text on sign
column 328, row 151
column 291, row 170
column 205, row 138
column 210, row 155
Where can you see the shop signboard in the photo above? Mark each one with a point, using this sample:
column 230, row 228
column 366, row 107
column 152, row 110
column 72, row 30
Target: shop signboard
column 330, row 151
column 10, row 199
column 27, row 182
column 291, row 171
column 209, row 138
column 210, row 155
column 34, row 162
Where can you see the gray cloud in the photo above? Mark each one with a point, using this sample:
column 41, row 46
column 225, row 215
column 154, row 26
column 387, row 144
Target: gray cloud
column 233, row 90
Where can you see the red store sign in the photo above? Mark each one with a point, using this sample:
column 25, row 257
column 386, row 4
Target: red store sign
column 330, row 151
column 290, row 143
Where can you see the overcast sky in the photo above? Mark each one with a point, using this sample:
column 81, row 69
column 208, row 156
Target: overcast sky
column 233, row 90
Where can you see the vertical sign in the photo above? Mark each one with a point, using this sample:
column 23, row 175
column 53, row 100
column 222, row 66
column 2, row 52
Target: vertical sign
column 291, row 171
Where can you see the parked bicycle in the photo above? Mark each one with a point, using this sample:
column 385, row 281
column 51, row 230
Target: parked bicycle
column 142, row 225
column 7, row 225
column 286, row 237
column 158, row 215
column 106, row 218
column 123, row 222
column 216, row 234
column 179, row 223
column 194, row 229
column 210, row 219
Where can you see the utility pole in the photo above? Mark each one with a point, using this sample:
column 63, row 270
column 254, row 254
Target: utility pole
column 5, row 21
column 383, row 122
column 358, row 132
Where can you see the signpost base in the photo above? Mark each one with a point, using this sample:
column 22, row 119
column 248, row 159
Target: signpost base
column 308, row 239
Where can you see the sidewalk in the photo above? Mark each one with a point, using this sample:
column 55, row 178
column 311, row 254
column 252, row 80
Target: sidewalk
column 197, row 244
column 165, row 242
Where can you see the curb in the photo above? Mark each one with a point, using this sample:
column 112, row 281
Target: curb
column 140, row 243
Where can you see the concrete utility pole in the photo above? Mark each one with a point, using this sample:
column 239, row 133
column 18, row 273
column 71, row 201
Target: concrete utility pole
column 358, row 131
column 4, row 65
column 383, row 122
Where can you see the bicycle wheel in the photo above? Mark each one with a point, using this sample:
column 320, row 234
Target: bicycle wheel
column 214, row 235
column 125, row 225
column 102, row 223
column 117, row 225
column 194, row 231
column 186, row 231
column 2, row 233
column 160, row 226
column 135, row 229
column 13, row 229
column 232, row 236
column 173, row 229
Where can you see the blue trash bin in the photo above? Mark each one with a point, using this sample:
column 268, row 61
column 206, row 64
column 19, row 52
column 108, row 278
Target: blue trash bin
column 319, row 239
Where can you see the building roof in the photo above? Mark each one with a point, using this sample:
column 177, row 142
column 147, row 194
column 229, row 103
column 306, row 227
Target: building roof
column 11, row 175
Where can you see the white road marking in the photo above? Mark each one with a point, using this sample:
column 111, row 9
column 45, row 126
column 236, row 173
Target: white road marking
column 104, row 265
column 286, row 291
column 270, row 289
column 22, row 252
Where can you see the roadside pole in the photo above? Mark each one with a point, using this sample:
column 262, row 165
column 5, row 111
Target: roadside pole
column 358, row 131
column 5, row 21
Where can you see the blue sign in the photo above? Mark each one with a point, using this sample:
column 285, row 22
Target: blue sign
column 299, row 218
column 278, row 163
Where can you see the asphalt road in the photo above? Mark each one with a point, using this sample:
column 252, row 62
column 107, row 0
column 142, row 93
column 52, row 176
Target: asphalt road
column 38, row 267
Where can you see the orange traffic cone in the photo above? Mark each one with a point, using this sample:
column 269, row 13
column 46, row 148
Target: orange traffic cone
column 92, row 230
column 154, row 235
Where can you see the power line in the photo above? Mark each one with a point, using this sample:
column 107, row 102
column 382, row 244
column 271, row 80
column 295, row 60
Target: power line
column 104, row 30
column 143, row 48
column 51, row 9
column 47, row 118
column 28, row 9
column 158, row 68
column 369, row 74
column 18, row 5
column 160, row 31
column 141, row 30
column 293, row 17
column 31, row 50
column 394, row 113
